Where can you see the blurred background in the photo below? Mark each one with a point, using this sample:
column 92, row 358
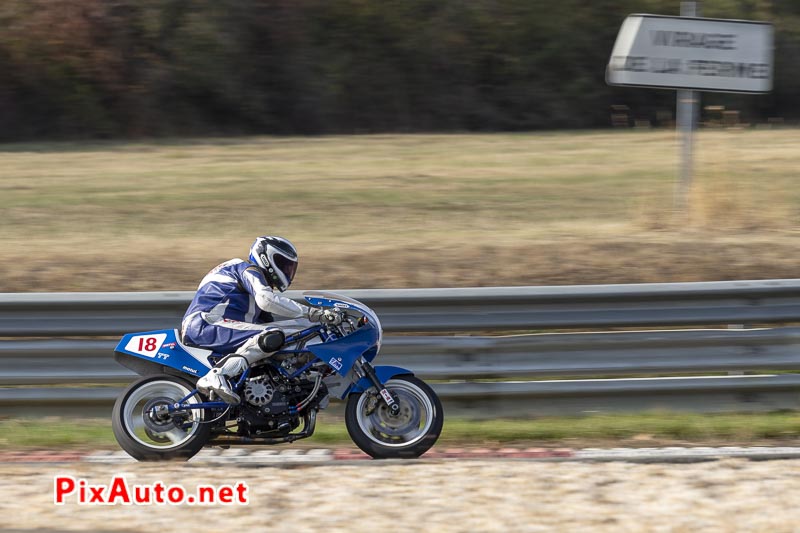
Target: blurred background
column 413, row 144
column 398, row 144
column 124, row 68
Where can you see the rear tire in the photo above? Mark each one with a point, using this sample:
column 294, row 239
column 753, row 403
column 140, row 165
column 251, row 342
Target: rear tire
column 148, row 438
column 409, row 434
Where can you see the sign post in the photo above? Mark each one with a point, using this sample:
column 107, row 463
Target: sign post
column 692, row 54
column 687, row 106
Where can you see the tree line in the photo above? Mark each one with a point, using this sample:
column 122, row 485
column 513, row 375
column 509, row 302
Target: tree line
column 134, row 68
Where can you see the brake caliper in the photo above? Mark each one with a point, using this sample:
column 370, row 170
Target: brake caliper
column 372, row 404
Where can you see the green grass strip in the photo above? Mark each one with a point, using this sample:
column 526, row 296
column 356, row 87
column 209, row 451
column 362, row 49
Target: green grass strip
column 575, row 431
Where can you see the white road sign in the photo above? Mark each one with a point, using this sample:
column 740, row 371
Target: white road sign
column 693, row 53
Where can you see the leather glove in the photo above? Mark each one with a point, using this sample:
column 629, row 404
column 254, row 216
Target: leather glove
column 325, row 316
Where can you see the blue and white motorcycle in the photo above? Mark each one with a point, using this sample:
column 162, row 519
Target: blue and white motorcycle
column 389, row 412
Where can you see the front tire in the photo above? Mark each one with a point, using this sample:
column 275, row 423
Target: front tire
column 149, row 438
column 407, row 435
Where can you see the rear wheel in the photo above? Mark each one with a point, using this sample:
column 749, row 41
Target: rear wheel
column 409, row 433
column 144, row 428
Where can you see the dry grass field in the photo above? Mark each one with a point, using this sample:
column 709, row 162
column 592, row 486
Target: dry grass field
column 401, row 211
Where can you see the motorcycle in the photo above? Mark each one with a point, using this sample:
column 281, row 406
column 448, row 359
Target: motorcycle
column 390, row 413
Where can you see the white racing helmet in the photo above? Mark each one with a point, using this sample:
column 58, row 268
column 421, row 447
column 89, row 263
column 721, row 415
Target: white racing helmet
column 277, row 257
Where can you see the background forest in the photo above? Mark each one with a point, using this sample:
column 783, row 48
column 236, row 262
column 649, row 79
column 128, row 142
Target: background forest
column 140, row 68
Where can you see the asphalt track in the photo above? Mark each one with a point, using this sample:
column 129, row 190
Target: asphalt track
column 289, row 457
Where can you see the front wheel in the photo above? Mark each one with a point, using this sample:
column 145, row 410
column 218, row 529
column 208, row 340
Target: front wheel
column 147, row 432
column 408, row 434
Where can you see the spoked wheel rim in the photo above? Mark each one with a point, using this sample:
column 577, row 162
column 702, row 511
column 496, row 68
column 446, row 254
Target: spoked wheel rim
column 159, row 431
column 410, row 425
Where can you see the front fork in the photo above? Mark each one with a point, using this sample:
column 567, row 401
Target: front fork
column 389, row 398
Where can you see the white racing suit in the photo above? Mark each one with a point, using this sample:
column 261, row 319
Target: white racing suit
column 232, row 308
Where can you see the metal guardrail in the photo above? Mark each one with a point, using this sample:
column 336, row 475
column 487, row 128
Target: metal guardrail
column 28, row 364
column 436, row 310
column 38, row 362
column 506, row 399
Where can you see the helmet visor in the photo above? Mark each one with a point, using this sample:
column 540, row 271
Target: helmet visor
column 285, row 265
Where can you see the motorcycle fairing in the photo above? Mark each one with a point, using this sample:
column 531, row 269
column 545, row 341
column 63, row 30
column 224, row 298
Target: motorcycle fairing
column 384, row 373
column 342, row 353
column 163, row 347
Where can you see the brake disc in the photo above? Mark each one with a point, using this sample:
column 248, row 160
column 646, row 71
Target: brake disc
column 155, row 422
column 398, row 425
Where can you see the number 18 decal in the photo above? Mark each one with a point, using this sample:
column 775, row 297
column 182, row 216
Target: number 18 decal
column 147, row 345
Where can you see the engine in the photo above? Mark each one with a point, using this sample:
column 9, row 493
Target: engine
column 267, row 396
column 271, row 403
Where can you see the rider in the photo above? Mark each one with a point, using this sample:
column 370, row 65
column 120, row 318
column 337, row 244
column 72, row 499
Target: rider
column 232, row 312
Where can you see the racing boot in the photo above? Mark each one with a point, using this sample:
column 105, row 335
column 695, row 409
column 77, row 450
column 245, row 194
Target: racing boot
column 256, row 348
column 216, row 381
